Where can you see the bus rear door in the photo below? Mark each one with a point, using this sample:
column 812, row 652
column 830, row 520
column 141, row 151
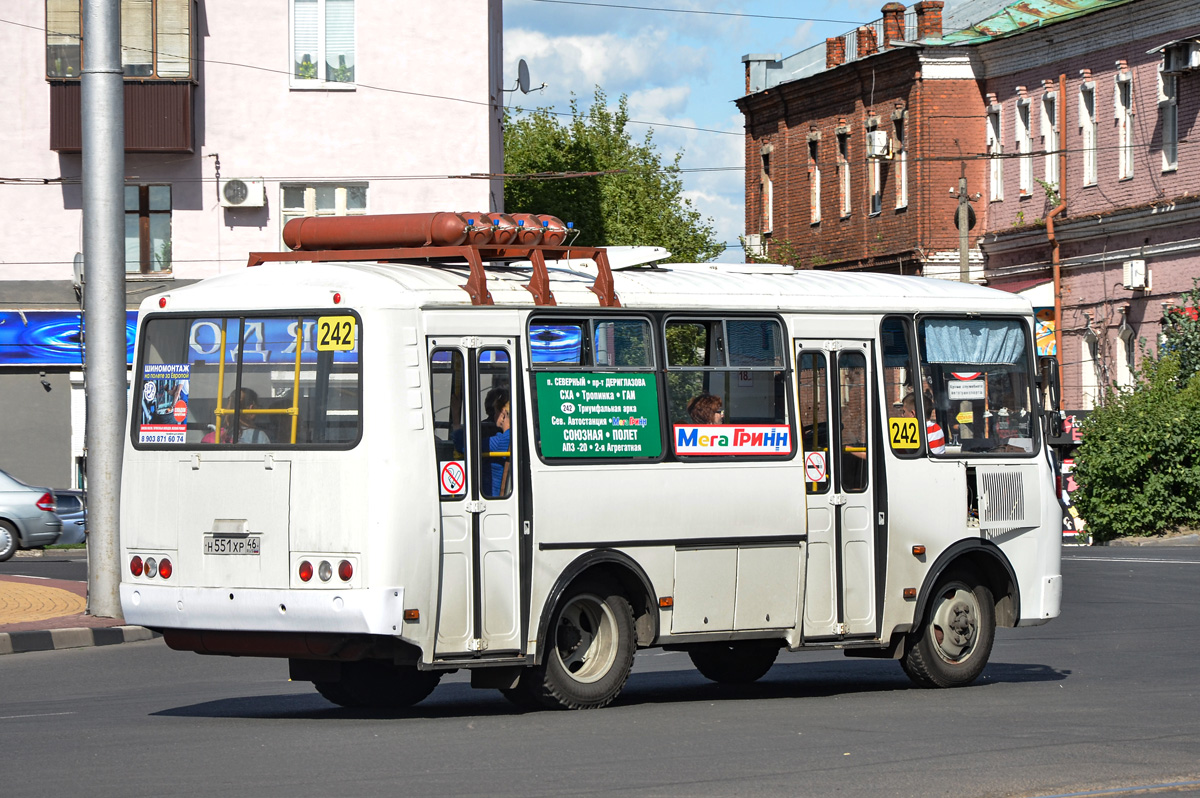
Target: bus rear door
column 834, row 393
column 474, row 418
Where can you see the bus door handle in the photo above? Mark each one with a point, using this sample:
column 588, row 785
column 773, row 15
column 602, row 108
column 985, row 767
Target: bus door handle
column 837, row 499
column 475, row 506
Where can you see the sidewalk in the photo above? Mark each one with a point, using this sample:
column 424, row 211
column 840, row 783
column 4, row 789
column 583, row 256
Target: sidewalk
column 50, row 614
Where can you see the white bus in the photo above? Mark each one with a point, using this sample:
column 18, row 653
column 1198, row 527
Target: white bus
column 384, row 463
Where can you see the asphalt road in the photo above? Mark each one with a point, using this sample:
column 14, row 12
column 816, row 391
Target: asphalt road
column 1104, row 698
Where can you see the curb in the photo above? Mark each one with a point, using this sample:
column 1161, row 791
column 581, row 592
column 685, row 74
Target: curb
column 56, row 639
column 1177, row 540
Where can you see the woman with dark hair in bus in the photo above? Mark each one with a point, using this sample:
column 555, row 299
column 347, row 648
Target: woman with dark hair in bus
column 706, row 409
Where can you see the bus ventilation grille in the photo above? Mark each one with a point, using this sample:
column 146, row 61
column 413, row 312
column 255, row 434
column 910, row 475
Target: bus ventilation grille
column 1002, row 504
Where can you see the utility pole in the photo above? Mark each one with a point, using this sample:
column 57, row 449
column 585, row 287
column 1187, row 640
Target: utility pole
column 103, row 116
column 964, row 222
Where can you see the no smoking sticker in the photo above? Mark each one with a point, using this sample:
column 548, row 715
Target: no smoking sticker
column 814, row 467
column 453, row 478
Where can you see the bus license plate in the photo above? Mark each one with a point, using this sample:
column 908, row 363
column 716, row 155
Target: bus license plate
column 247, row 545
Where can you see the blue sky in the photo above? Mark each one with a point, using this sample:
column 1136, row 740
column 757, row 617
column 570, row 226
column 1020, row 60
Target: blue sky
column 676, row 68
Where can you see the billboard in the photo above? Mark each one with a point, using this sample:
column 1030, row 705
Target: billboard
column 50, row 337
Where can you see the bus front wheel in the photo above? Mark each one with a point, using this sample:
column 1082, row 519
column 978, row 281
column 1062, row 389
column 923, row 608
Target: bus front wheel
column 954, row 641
column 589, row 653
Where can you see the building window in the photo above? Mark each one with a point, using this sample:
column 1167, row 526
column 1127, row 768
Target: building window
column 1127, row 350
column 766, row 192
column 814, row 183
column 1123, row 107
column 147, row 229
column 1089, row 370
column 1050, row 136
column 322, row 199
column 874, row 178
column 156, row 39
column 1024, row 136
column 843, row 168
column 322, row 43
column 901, row 155
column 1168, row 111
column 995, row 148
column 1087, row 126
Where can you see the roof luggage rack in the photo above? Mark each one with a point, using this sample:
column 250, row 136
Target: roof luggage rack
column 442, row 239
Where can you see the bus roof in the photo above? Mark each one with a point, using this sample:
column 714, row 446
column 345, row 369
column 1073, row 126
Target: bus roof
column 285, row 284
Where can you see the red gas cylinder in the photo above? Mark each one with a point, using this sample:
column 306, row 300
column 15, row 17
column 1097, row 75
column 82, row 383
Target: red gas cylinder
column 554, row 232
column 504, row 229
column 479, row 228
column 529, row 229
column 376, row 232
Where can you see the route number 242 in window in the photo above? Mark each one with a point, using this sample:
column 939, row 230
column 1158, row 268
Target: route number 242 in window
column 335, row 333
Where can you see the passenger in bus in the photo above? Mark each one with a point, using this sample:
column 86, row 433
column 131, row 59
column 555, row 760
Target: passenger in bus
column 500, row 443
column 933, row 431
column 249, row 431
column 706, row 409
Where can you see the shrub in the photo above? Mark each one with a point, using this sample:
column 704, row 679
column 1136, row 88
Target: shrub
column 1138, row 467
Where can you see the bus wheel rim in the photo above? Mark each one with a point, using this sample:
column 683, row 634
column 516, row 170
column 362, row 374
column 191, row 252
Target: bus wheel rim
column 954, row 626
column 586, row 638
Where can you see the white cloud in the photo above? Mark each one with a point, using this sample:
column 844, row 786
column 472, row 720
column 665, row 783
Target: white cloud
column 659, row 103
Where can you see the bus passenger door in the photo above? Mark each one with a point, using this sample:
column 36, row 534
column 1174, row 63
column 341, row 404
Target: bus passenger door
column 834, row 394
column 474, row 427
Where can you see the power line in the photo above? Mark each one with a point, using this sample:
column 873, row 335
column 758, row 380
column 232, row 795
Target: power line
column 696, row 11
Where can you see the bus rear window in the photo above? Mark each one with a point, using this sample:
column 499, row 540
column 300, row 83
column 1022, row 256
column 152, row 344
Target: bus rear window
column 263, row 381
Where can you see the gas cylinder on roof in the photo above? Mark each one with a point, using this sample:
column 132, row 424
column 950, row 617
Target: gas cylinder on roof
column 480, row 230
column 529, row 229
column 554, row 232
column 504, row 228
column 440, row 229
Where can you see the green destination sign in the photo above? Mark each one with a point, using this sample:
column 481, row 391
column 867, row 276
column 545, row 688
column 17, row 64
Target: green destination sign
column 598, row 415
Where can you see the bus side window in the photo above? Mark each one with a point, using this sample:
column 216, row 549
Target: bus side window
column 495, row 426
column 902, row 389
column 811, row 390
column 446, row 384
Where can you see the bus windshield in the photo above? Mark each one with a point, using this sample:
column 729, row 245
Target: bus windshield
column 978, row 372
column 268, row 381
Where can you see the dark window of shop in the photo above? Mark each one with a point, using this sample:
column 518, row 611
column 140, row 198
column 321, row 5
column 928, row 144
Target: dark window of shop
column 147, row 229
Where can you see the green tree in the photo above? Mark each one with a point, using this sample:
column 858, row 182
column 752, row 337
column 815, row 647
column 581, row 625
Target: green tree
column 1181, row 334
column 642, row 204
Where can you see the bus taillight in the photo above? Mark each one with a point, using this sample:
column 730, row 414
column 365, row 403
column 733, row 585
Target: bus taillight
column 345, row 570
column 151, row 567
column 165, row 568
column 325, row 571
column 306, row 571
column 135, row 566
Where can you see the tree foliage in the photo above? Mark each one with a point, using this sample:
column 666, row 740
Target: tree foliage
column 1138, row 467
column 643, row 204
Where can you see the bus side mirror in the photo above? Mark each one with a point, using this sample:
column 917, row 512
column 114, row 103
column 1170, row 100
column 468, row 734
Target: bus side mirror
column 1049, row 378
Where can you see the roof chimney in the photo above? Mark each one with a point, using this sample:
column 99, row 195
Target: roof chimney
column 835, row 52
column 893, row 24
column 865, row 42
column 929, row 19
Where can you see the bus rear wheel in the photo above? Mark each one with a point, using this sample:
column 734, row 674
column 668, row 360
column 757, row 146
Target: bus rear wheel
column 588, row 656
column 379, row 684
column 954, row 641
column 737, row 662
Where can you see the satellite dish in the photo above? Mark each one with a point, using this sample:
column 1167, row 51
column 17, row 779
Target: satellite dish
column 77, row 267
column 523, row 76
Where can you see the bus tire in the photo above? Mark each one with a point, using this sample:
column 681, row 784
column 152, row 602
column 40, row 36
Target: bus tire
column 954, row 641
column 589, row 652
column 736, row 662
column 380, row 684
column 8, row 541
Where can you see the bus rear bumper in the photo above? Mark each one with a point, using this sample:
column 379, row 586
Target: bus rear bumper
column 371, row 611
column 1051, row 602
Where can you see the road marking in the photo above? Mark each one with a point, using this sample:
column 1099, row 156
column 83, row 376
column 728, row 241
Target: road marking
column 43, row 715
column 1133, row 559
column 1173, row 786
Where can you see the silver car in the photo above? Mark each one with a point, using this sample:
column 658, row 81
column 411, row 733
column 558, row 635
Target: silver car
column 27, row 516
column 72, row 511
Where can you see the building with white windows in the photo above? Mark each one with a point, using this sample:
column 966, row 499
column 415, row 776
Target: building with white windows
column 238, row 117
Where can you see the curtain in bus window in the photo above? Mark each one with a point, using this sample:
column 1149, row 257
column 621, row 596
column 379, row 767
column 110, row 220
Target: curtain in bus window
column 978, row 341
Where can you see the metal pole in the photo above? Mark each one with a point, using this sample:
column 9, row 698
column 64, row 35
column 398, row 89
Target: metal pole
column 103, row 115
column 963, row 219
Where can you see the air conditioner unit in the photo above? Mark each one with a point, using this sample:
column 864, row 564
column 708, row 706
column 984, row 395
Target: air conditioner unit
column 755, row 246
column 242, row 193
column 878, row 144
column 1181, row 57
column 1134, row 275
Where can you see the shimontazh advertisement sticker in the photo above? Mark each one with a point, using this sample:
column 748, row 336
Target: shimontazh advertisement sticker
column 164, row 403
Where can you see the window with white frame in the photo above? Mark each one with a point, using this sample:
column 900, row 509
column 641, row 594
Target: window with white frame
column 1087, row 127
column 1050, row 136
column 1024, row 141
column 322, row 199
column 322, row 43
column 767, row 192
column 995, row 149
column 1127, row 349
column 1089, row 369
column 874, row 179
column 147, row 229
column 1123, row 110
column 1168, row 111
column 901, row 156
column 843, row 167
column 814, row 183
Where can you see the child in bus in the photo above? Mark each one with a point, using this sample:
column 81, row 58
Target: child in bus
column 706, row 409
column 501, row 442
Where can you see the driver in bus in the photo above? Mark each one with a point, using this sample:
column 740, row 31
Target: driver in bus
column 933, row 431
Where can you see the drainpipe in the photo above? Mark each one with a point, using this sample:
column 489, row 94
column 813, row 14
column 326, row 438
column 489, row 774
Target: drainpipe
column 1055, row 262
